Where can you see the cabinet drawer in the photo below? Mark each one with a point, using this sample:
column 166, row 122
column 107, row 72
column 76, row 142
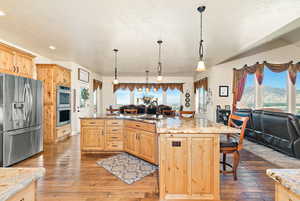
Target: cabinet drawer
column 114, row 137
column 114, row 146
column 114, row 130
column 27, row 194
column 140, row 125
column 92, row 122
column 114, row 123
column 63, row 131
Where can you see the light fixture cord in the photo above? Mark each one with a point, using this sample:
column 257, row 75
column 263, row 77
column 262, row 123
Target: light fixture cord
column 116, row 62
column 201, row 39
column 159, row 60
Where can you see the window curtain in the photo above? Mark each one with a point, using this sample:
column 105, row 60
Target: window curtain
column 97, row 84
column 240, row 76
column 203, row 83
column 163, row 86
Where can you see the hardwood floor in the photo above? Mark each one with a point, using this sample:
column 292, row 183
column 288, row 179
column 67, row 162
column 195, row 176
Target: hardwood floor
column 72, row 177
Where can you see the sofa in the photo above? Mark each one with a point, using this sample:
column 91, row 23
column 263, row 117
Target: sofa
column 142, row 109
column 278, row 130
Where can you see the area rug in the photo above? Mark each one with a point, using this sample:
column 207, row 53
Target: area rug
column 271, row 155
column 127, row 168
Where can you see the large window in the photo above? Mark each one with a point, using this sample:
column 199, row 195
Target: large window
column 201, row 100
column 140, row 93
column 173, row 98
column 275, row 90
column 122, row 97
column 248, row 98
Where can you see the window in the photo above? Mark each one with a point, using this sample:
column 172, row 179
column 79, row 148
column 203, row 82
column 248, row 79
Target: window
column 95, row 102
column 201, row 96
column 248, row 98
column 139, row 94
column 174, row 98
column 275, row 90
column 122, row 97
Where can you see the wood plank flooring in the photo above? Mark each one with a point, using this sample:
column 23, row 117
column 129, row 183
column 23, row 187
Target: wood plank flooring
column 71, row 176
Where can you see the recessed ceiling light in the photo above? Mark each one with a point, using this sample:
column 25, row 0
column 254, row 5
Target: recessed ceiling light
column 52, row 47
column 2, row 13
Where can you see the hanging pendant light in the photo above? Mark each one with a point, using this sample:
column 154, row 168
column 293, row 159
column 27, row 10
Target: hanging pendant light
column 201, row 64
column 147, row 82
column 159, row 68
column 116, row 81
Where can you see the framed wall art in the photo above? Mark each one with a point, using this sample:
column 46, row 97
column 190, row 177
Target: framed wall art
column 223, row 91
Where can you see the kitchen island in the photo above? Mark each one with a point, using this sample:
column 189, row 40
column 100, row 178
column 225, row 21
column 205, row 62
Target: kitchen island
column 186, row 150
column 19, row 184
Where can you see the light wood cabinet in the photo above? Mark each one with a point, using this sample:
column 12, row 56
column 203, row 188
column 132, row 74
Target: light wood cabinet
column 283, row 194
column 93, row 138
column 26, row 194
column 121, row 135
column 189, row 167
column 16, row 62
column 52, row 76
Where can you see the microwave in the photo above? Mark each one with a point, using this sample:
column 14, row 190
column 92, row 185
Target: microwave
column 63, row 97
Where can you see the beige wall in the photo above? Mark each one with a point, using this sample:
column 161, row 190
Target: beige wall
column 108, row 95
column 223, row 74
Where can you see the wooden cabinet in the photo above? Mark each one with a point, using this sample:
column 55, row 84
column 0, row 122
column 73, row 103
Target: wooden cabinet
column 131, row 141
column 120, row 136
column 189, row 167
column 52, row 76
column 283, row 194
column 26, row 194
column 93, row 138
column 16, row 62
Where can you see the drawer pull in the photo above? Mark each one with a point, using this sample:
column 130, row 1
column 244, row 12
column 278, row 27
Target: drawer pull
column 137, row 125
column 114, row 145
column 114, row 130
column 114, row 137
column 92, row 123
column 115, row 123
column 22, row 199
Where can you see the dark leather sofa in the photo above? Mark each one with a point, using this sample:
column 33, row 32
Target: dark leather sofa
column 278, row 130
column 152, row 109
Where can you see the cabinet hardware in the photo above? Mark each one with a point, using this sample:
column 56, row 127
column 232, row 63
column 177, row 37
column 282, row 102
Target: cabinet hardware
column 114, row 123
column 92, row 122
column 176, row 144
column 114, row 130
column 137, row 125
column 22, row 199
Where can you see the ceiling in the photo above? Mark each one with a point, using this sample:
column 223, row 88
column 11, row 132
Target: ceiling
column 86, row 32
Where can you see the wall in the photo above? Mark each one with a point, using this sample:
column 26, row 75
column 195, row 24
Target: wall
column 223, row 74
column 108, row 95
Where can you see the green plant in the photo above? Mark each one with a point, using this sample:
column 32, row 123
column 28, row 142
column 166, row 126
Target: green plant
column 85, row 94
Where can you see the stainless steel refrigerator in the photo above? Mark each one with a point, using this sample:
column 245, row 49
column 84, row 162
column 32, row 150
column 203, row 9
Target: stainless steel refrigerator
column 21, row 101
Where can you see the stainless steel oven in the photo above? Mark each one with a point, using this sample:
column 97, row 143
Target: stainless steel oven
column 63, row 97
column 63, row 116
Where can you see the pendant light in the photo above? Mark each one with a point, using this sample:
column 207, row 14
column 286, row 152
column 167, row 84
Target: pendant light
column 159, row 68
column 201, row 64
column 116, row 81
column 147, row 82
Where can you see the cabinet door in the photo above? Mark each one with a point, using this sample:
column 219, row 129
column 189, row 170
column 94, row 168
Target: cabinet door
column 92, row 138
column 205, row 166
column 24, row 65
column 67, row 78
column 131, row 142
column 174, row 166
column 148, row 146
column 6, row 60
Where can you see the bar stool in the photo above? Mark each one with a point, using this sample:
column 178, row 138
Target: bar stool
column 169, row 113
column 190, row 113
column 233, row 145
column 130, row 111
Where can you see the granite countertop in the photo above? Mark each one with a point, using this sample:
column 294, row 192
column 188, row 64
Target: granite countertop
column 176, row 125
column 13, row 180
column 289, row 178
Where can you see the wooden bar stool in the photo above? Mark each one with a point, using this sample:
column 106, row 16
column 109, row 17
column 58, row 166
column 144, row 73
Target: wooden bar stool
column 190, row 113
column 130, row 111
column 112, row 111
column 233, row 145
column 169, row 113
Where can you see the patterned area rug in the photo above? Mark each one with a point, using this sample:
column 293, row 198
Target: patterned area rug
column 271, row 155
column 127, row 167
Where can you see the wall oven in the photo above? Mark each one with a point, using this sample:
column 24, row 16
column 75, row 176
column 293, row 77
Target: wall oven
column 63, row 116
column 63, row 97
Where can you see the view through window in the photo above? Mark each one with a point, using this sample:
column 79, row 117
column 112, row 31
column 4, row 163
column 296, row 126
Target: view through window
column 122, row 97
column 298, row 94
column 248, row 98
column 173, row 98
column 275, row 90
column 201, row 96
column 139, row 94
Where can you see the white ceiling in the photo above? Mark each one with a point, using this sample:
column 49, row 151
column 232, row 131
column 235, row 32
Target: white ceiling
column 85, row 32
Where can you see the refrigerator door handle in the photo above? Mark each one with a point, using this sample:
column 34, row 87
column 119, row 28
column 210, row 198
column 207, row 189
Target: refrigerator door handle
column 22, row 131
